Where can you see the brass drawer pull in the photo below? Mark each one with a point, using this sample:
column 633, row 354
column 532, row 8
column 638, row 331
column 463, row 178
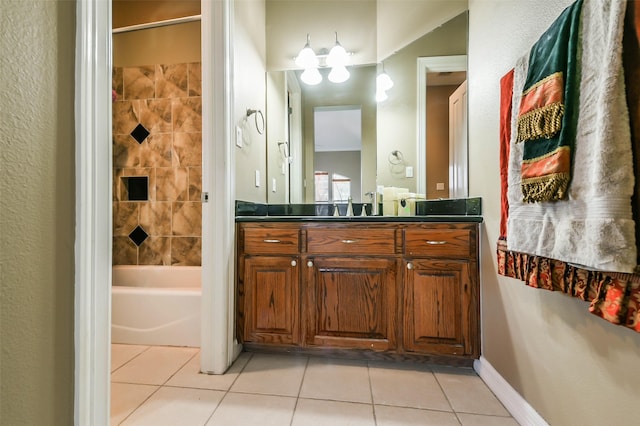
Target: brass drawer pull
column 349, row 241
column 435, row 243
column 271, row 241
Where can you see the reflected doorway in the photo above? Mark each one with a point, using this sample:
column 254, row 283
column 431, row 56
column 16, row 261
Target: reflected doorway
column 337, row 134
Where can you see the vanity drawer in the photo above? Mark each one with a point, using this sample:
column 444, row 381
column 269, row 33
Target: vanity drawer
column 438, row 242
column 271, row 240
column 356, row 241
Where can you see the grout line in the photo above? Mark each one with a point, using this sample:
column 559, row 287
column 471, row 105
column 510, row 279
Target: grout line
column 373, row 402
column 446, row 396
column 295, row 407
column 131, row 359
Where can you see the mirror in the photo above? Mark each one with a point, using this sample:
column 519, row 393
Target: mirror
column 402, row 124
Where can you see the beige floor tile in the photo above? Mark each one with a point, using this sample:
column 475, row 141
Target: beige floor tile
column 338, row 380
column 316, row 412
column 121, row 354
column 271, row 375
column 467, row 393
column 481, row 420
column 406, row 386
column 402, row 416
column 243, row 409
column 125, row 398
column 189, row 376
column 154, row 366
column 176, row 406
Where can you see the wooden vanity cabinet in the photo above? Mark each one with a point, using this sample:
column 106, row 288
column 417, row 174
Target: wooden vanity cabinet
column 440, row 291
column 398, row 289
column 269, row 284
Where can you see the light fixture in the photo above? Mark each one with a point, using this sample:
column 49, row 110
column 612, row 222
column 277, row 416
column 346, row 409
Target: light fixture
column 311, row 76
column 381, row 96
column 338, row 56
column 339, row 74
column 383, row 83
column 307, row 57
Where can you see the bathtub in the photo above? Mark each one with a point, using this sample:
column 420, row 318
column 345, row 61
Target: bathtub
column 156, row 305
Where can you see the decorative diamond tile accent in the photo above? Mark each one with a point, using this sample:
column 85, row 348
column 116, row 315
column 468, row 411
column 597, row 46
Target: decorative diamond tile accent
column 140, row 133
column 138, row 235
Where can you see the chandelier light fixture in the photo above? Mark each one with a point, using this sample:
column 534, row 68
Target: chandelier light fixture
column 337, row 59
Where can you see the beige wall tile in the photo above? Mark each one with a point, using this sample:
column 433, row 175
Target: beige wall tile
column 155, row 251
column 117, row 82
column 187, row 114
column 186, row 251
column 125, row 252
column 195, row 79
column 187, row 148
column 195, row 183
column 139, row 82
column 155, row 151
column 171, row 184
column 187, row 218
column 124, row 118
column 155, row 115
column 171, row 81
column 126, row 151
column 125, row 217
column 155, row 218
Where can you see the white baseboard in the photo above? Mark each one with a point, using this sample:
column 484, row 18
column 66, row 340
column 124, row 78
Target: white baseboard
column 519, row 408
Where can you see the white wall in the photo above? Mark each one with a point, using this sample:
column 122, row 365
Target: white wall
column 249, row 93
column 572, row 367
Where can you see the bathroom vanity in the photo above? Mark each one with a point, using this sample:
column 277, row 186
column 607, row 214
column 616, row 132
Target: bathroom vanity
column 364, row 287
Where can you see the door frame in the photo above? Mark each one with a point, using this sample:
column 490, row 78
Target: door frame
column 93, row 205
column 426, row 65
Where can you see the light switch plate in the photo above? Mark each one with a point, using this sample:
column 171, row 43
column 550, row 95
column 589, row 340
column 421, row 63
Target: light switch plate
column 239, row 136
column 408, row 172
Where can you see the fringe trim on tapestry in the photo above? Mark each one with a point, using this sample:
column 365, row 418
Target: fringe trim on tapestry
column 543, row 122
column 545, row 188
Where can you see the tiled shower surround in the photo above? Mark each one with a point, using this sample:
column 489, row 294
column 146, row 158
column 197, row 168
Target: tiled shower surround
column 157, row 165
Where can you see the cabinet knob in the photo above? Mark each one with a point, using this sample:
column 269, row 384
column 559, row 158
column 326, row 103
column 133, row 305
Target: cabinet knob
column 409, row 265
column 294, row 263
column 309, row 264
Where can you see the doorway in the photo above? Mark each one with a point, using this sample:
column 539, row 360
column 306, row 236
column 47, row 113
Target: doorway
column 93, row 201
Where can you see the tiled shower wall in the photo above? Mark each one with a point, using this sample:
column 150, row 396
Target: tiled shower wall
column 157, row 135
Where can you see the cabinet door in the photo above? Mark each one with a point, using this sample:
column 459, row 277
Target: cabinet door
column 439, row 307
column 351, row 302
column 271, row 299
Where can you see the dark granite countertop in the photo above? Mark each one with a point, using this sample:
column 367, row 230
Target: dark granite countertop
column 448, row 210
column 430, row 218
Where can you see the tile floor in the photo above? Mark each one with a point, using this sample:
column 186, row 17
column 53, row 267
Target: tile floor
column 159, row 385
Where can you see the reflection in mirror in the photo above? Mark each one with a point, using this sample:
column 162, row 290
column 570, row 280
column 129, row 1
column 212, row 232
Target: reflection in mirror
column 337, row 136
column 398, row 124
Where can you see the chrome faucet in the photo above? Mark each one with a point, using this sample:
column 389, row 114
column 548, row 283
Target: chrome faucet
column 349, row 207
column 374, row 202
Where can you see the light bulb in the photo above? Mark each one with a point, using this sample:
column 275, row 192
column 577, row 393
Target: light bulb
column 339, row 74
column 338, row 56
column 307, row 57
column 383, row 81
column 381, row 95
column 311, row 76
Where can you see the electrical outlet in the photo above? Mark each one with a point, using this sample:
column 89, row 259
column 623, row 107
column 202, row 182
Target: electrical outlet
column 440, row 186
